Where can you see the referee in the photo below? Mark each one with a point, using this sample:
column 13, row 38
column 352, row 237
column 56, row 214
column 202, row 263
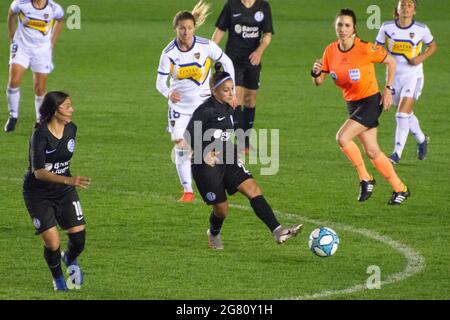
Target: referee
column 215, row 164
column 250, row 30
column 49, row 189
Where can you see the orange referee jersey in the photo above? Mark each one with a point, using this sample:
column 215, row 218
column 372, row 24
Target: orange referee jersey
column 353, row 70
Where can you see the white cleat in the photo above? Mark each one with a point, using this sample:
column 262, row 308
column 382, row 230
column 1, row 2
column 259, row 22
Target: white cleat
column 214, row 242
column 282, row 234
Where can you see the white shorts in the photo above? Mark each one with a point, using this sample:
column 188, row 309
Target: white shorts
column 40, row 60
column 410, row 87
column 177, row 124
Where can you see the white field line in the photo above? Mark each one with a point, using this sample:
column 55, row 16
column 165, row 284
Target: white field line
column 415, row 262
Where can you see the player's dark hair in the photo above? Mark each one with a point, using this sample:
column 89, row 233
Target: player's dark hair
column 348, row 12
column 218, row 75
column 50, row 104
column 396, row 15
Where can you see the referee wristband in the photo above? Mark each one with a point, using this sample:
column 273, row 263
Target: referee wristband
column 315, row 75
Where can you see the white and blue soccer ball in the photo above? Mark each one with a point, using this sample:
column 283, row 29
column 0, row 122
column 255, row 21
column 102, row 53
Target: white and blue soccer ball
column 323, row 242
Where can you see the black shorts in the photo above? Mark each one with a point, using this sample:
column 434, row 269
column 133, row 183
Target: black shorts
column 366, row 111
column 64, row 211
column 247, row 75
column 212, row 182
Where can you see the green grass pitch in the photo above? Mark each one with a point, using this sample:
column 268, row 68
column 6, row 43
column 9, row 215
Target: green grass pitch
column 142, row 244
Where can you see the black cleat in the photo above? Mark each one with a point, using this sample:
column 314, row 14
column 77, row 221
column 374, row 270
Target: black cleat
column 399, row 197
column 366, row 189
column 422, row 148
column 10, row 124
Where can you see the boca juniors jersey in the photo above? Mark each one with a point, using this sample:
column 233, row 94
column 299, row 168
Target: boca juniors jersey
column 189, row 71
column 35, row 25
column 404, row 44
column 52, row 154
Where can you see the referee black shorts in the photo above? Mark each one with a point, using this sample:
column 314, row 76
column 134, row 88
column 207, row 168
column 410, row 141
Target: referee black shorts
column 212, row 182
column 366, row 111
column 247, row 75
column 64, row 211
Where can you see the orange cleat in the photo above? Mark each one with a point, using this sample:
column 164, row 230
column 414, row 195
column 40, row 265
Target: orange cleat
column 187, row 197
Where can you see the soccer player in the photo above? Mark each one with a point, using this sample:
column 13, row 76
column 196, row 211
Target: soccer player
column 350, row 62
column 49, row 189
column 250, row 30
column 404, row 39
column 216, row 167
column 186, row 62
column 39, row 23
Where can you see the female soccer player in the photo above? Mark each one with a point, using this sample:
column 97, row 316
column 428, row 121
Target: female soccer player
column 39, row 24
column 250, row 30
column 187, row 61
column 49, row 189
column 404, row 38
column 215, row 164
column 350, row 62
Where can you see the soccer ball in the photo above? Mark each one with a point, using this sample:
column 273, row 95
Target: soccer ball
column 323, row 242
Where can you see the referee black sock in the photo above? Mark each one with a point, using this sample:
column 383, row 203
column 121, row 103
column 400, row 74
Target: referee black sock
column 264, row 212
column 75, row 244
column 249, row 118
column 238, row 116
column 215, row 224
column 53, row 259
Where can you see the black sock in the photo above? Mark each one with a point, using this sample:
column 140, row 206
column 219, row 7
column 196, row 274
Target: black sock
column 75, row 244
column 238, row 116
column 264, row 212
column 215, row 224
column 249, row 118
column 53, row 259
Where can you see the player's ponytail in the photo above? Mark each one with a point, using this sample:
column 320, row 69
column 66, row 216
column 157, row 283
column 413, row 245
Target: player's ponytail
column 219, row 76
column 50, row 104
column 197, row 15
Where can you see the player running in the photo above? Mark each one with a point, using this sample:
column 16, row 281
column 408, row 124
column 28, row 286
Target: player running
column 187, row 62
column 250, row 30
column 216, row 167
column 350, row 62
column 49, row 189
column 39, row 23
column 404, row 39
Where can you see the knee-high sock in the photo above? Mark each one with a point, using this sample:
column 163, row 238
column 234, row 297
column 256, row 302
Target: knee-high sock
column 385, row 167
column 53, row 259
column 249, row 119
column 401, row 132
column 352, row 152
column 75, row 245
column 238, row 118
column 183, row 164
column 215, row 224
column 37, row 105
column 414, row 128
column 263, row 210
column 13, row 97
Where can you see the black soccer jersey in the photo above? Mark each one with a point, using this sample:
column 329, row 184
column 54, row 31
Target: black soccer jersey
column 210, row 129
column 245, row 27
column 48, row 152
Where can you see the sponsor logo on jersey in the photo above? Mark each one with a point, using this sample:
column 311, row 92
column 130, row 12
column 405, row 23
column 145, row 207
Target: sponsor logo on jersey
column 247, row 32
column 48, row 166
column 36, row 223
column 211, row 196
column 355, row 74
column 259, row 16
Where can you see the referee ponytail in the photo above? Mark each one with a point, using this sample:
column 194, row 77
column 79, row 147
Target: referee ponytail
column 197, row 15
column 50, row 104
column 219, row 76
